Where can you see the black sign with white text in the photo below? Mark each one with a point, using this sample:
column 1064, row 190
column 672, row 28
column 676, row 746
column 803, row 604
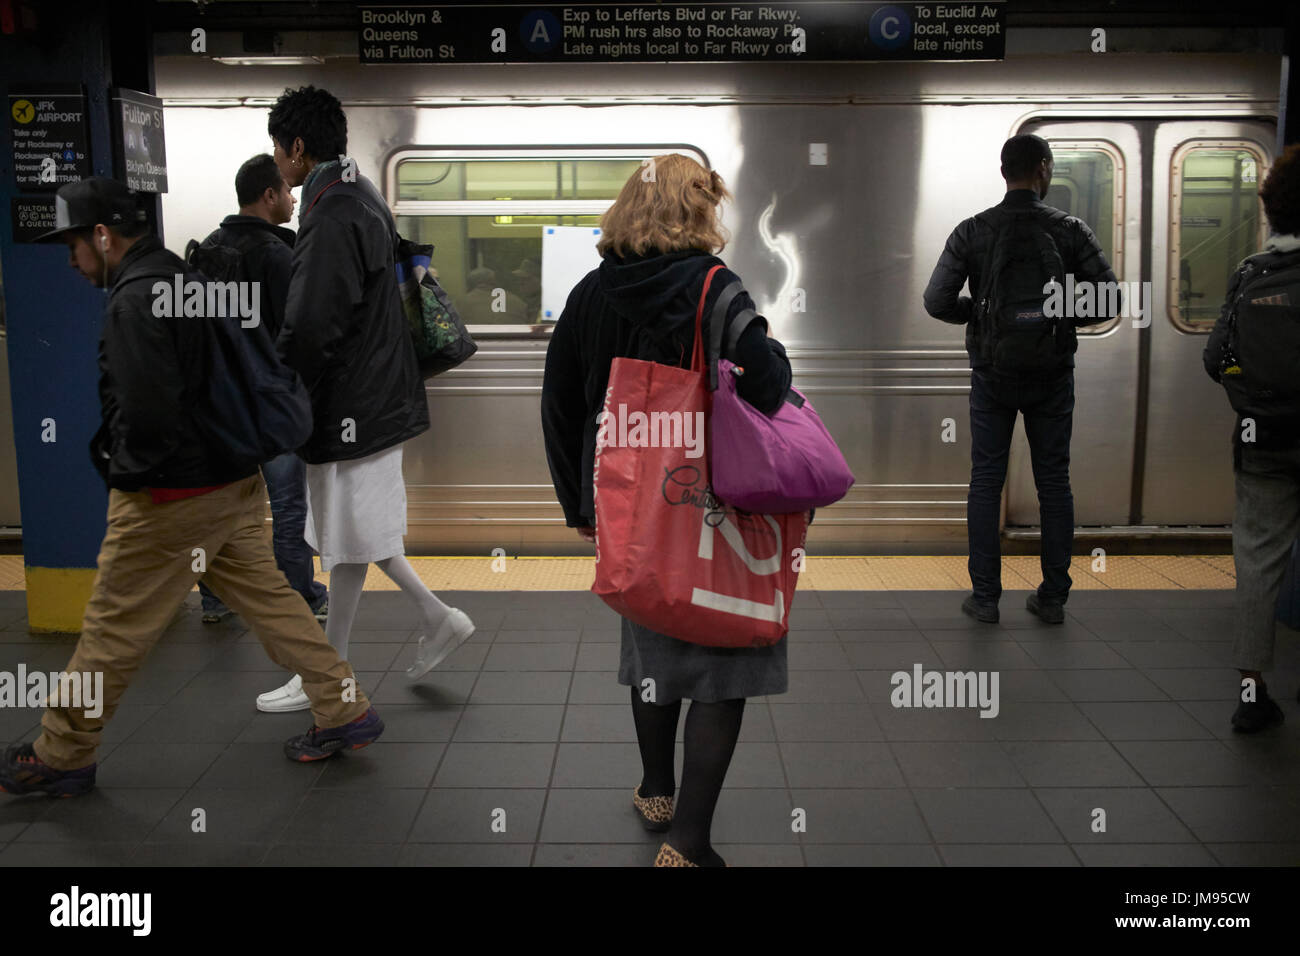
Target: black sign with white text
column 139, row 147
column 30, row 216
column 50, row 143
column 680, row 32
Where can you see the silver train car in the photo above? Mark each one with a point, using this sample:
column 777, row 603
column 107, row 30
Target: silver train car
column 847, row 180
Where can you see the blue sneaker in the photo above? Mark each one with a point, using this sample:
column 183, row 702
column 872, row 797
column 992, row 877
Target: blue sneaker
column 317, row 744
column 21, row 771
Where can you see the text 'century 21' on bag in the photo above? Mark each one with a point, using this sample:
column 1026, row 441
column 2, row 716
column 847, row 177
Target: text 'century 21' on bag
column 770, row 464
column 669, row 555
column 1018, row 334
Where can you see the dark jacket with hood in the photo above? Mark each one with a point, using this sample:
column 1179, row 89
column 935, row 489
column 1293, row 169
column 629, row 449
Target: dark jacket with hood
column 639, row 307
column 969, row 249
column 344, row 329
column 150, row 370
column 1281, row 251
column 266, row 257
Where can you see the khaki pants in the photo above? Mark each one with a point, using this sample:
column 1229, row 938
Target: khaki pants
column 146, row 568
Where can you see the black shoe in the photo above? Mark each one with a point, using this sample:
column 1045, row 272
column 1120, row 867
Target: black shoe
column 21, row 771
column 1259, row 714
column 987, row 613
column 317, row 744
column 1048, row 612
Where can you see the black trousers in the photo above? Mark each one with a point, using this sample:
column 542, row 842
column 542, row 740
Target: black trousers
column 1048, row 408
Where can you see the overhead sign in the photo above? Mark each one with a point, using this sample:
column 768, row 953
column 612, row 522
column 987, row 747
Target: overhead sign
column 31, row 216
column 139, row 146
column 48, row 133
column 680, row 32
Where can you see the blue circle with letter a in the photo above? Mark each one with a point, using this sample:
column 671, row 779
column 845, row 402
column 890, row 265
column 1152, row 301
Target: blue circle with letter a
column 890, row 28
column 540, row 31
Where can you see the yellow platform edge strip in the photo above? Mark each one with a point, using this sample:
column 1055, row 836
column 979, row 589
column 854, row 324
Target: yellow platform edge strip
column 56, row 597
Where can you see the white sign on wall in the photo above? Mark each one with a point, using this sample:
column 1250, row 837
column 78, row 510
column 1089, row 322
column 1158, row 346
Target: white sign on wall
column 568, row 254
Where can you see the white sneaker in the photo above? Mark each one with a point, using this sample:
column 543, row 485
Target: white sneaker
column 452, row 633
column 284, row 699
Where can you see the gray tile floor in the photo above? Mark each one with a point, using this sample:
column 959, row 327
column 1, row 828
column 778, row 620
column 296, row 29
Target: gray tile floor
column 520, row 749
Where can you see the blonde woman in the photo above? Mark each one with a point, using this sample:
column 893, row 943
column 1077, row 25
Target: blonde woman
column 658, row 241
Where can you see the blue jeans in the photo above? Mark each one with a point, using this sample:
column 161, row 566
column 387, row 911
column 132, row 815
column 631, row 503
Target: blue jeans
column 1048, row 407
column 286, row 485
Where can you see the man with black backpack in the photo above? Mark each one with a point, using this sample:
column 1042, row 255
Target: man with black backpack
column 1022, row 360
column 178, row 507
column 254, row 247
column 1254, row 352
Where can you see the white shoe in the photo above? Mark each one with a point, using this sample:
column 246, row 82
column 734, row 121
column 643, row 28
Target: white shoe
column 452, row 633
column 284, row 699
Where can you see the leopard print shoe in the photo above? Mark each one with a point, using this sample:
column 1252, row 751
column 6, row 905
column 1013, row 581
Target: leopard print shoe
column 670, row 857
column 656, row 812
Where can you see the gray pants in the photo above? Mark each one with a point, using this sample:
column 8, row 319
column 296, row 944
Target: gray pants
column 1265, row 526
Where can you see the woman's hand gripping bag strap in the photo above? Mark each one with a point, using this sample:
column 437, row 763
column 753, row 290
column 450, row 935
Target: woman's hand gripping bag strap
column 669, row 555
column 769, row 464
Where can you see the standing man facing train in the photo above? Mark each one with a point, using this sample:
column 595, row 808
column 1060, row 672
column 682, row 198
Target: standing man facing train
column 254, row 246
column 1022, row 360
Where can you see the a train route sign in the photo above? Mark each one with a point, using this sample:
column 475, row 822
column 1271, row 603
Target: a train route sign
column 48, row 138
column 680, row 32
column 139, row 146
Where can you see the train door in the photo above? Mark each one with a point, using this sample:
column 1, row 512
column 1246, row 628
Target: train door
column 1097, row 177
column 1206, row 217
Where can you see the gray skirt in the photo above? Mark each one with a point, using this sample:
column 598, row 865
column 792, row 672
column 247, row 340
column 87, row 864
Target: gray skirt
column 707, row 674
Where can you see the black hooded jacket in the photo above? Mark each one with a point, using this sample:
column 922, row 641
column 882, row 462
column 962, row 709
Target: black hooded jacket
column 639, row 307
column 345, row 331
column 150, row 371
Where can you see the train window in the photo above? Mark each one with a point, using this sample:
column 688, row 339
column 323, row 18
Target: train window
column 1215, row 222
column 1087, row 181
column 486, row 212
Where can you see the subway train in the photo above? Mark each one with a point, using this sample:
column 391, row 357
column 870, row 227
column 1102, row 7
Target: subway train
column 847, row 179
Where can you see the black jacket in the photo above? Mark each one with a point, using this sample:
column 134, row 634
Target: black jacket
column 1269, row 433
column 266, row 252
column 640, row 307
column 150, row 369
column 966, row 255
column 345, row 331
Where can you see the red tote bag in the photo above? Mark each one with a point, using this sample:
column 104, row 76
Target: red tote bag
column 669, row 555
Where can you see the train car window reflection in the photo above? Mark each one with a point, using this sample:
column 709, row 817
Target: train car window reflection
column 1086, row 182
column 1215, row 223
column 486, row 217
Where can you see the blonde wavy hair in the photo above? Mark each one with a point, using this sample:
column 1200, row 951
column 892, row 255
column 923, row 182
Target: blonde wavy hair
column 669, row 204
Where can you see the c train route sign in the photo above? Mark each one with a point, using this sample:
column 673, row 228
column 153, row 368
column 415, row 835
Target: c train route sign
column 681, row 32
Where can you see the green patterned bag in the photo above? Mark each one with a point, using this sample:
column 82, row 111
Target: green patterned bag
column 441, row 340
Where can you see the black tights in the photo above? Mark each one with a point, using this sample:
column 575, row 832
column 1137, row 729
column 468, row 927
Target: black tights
column 710, row 740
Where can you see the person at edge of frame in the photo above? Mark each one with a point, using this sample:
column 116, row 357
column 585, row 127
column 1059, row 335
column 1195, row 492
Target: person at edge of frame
column 1266, row 466
column 169, row 494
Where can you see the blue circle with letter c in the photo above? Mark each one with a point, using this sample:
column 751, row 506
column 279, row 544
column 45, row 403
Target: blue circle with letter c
column 890, row 28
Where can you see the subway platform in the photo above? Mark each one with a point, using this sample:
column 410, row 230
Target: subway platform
column 520, row 749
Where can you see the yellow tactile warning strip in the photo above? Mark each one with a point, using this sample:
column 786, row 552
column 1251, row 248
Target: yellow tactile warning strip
column 873, row 573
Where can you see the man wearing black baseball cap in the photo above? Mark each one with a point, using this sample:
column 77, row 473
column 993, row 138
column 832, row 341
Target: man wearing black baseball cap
column 176, row 511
